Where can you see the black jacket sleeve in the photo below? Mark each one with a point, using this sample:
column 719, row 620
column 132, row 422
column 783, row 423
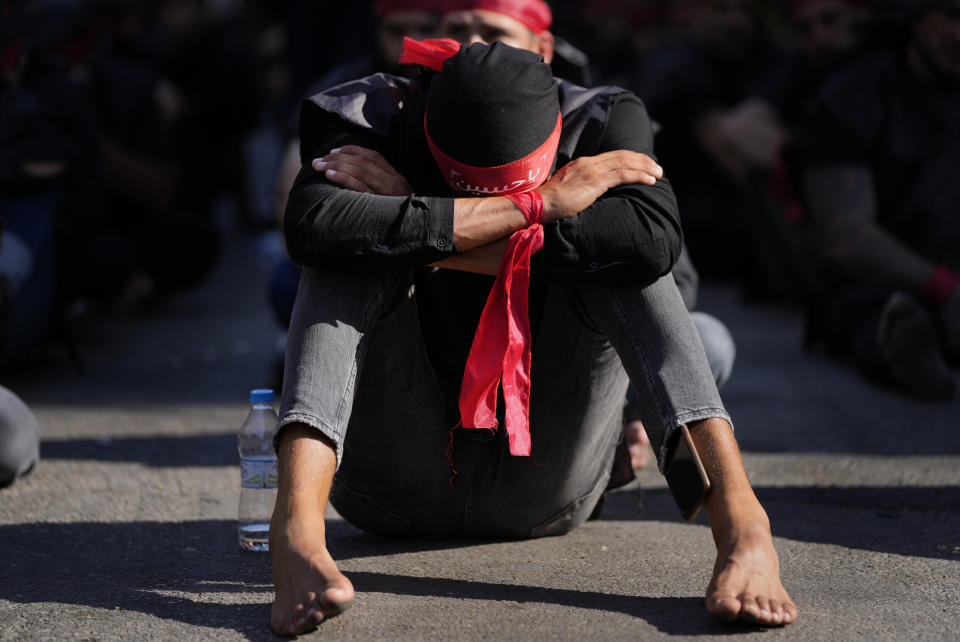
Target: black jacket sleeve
column 630, row 234
column 326, row 225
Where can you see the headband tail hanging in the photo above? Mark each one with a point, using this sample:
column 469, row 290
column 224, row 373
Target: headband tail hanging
column 431, row 53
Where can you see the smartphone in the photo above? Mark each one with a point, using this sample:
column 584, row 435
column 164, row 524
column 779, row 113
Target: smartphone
column 686, row 475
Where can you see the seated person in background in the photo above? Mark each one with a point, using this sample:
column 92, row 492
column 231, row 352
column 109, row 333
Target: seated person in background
column 831, row 34
column 881, row 161
column 717, row 138
column 418, row 19
column 400, row 240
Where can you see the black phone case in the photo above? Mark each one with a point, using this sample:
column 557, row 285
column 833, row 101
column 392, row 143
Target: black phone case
column 686, row 476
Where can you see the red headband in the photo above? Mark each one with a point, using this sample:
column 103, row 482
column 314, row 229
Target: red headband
column 534, row 14
column 521, row 175
column 430, row 53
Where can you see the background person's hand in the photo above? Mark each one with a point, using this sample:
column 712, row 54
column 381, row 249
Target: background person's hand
column 576, row 185
column 362, row 170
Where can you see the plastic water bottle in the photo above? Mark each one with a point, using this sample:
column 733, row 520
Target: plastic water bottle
column 258, row 472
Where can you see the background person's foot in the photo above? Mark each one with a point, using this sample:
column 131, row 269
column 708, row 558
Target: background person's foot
column 910, row 349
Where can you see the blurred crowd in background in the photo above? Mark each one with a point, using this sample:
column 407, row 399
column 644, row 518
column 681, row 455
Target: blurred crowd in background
column 137, row 135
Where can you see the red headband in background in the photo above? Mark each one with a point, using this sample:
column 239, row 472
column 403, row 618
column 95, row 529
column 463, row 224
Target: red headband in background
column 534, row 14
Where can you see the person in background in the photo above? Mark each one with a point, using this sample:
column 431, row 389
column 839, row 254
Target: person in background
column 880, row 158
column 716, row 138
column 831, row 34
column 418, row 19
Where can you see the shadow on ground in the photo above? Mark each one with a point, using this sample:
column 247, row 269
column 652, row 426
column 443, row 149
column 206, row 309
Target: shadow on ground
column 902, row 520
column 192, row 572
column 158, row 451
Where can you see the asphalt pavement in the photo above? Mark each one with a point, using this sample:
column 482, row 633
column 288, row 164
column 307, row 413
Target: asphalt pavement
column 125, row 529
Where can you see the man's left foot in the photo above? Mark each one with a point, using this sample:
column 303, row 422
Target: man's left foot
column 746, row 578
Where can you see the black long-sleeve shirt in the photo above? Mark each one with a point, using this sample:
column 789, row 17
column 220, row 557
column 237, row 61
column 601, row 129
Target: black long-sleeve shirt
column 632, row 233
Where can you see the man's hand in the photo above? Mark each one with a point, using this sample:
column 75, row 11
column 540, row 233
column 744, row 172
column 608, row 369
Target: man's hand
column 576, row 185
column 362, row 170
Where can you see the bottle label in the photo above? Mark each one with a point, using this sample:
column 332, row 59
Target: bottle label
column 258, row 473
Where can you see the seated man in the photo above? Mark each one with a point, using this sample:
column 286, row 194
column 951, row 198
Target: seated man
column 400, row 240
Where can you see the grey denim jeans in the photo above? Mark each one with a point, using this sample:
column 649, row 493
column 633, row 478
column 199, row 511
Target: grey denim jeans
column 357, row 370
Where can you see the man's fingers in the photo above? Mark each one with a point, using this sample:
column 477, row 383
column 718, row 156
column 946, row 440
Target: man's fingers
column 365, row 166
column 372, row 180
column 365, row 156
column 619, row 167
column 632, row 161
column 361, row 156
column 345, row 180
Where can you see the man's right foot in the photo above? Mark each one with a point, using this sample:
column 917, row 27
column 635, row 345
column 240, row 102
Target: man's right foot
column 638, row 443
column 309, row 586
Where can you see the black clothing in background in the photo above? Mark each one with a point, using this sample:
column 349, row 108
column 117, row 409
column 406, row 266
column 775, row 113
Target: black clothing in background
column 679, row 86
column 907, row 132
column 878, row 115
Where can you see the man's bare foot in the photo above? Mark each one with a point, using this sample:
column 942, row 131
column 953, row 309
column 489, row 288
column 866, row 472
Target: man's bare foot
column 746, row 578
column 309, row 586
column 637, row 443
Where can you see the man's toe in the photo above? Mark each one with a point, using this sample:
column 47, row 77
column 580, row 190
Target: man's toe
column 750, row 610
column 776, row 612
column 766, row 614
column 725, row 607
column 335, row 600
column 790, row 612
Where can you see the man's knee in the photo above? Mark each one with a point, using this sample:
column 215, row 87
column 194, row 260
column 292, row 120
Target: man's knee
column 19, row 438
column 718, row 344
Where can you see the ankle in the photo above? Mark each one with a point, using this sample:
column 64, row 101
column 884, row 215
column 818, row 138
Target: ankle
column 736, row 513
column 299, row 506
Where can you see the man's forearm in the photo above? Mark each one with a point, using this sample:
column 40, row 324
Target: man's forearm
column 876, row 255
column 479, row 260
column 843, row 206
column 480, row 221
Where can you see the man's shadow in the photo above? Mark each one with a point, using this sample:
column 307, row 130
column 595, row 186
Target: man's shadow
column 194, row 573
column 918, row 521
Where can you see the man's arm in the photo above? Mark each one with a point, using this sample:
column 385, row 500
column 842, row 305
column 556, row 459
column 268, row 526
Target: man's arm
column 632, row 232
column 476, row 222
column 842, row 204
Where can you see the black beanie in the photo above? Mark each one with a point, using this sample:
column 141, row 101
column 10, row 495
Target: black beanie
column 492, row 104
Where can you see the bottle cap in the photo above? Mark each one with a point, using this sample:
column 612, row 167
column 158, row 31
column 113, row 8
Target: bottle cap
column 261, row 395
